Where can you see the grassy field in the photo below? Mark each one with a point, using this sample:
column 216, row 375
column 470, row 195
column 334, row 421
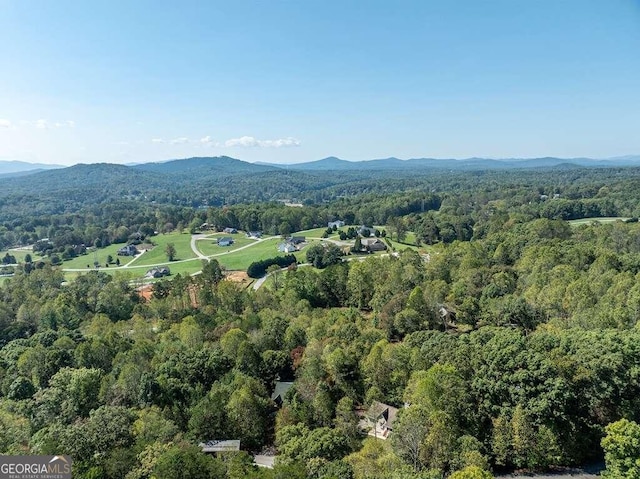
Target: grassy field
column 240, row 260
column 209, row 247
column 157, row 255
column 87, row 259
column 587, row 221
column 19, row 254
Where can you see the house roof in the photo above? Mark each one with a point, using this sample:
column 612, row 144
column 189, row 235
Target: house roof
column 226, row 238
column 379, row 409
column 217, row 445
column 281, row 389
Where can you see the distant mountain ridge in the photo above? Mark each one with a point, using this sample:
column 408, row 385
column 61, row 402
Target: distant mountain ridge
column 226, row 165
column 333, row 163
column 15, row 167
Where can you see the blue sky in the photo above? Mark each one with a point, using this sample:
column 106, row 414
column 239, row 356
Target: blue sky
column 290, row 81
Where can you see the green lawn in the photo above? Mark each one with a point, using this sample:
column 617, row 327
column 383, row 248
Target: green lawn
column 87, row 259
column 19, row 254
column 158, row 255
column 587, row 221
column 317, row 232
column 240, row 260
column 209, row 246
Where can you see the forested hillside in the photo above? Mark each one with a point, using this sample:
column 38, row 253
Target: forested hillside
column 510, row 342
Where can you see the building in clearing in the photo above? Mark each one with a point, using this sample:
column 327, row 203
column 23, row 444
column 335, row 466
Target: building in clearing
column 287, row 247
column 129, row 250
column 373, row 244
column 158, row 272
column 226, row 241
column 336, row 224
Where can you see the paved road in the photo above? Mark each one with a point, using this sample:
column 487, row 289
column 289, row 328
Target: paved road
column 194, row 248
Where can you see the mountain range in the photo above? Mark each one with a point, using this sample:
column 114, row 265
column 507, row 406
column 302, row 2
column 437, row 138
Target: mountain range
column 231, row 166
column 9, row 168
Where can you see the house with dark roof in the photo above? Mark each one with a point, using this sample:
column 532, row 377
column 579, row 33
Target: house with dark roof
column 254, row 234
column 296, row 240
column 230, row 231
column 226, row 241
column 158, row 272
column 373, row 244
column 129, row 250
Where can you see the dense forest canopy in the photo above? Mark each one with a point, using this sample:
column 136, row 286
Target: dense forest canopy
column 511, row 344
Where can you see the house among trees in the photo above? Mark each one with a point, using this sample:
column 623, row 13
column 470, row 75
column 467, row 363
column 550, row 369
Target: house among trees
column 379, row 419
column 230, row 231
column 158, row 272
column 296, row 240
column 226, row 241
column 280, row 391
column 254, row 234
column 447, row 316
column 335, row 224
column 373, row 244
column 129, row 250
column 216, row 446
column 366, row 231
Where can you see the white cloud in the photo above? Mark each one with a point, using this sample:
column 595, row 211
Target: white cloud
column 245, row 141
column 5, row 123
column 42, row 124
column 251, row 142
column 179, row 141
column 205, row 140
column 157, row 140
column 281, row 143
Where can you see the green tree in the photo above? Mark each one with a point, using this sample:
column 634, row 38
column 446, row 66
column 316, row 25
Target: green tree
column 170, row 250
column 471, row 472
column 274, row 272
column 622, row 449
column 185, row 461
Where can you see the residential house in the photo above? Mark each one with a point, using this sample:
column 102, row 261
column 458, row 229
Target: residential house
column 225, row 241
column 217, row 445
column 296, row 240
column 286, row 247
column 230, row 231
column 158, row 272
column 129, row 250
column 379, row 419
column 373, row 244
column 254, row 234
column 337, row 224
column 280, row 391
column 366, row 231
